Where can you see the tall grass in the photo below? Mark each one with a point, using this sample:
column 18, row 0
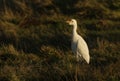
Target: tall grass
column 35, row 40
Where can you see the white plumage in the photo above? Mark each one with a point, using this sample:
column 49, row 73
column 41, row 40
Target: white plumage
column 78, row 45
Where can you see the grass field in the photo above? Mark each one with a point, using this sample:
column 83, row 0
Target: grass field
column 35, row 41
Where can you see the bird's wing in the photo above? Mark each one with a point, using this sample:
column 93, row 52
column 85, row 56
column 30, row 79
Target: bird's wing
column 82, row 49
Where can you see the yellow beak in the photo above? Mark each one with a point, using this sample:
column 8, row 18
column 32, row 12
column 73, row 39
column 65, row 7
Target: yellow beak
column 68, row 21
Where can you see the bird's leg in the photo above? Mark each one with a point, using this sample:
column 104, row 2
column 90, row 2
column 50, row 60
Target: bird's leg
column 76, row 72
column 77, row 57
column 76, row 68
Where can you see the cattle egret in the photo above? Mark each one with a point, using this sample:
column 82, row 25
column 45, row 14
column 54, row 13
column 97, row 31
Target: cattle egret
column 78, row 44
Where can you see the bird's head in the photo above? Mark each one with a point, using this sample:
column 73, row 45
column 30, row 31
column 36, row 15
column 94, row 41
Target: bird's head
column 71, row 22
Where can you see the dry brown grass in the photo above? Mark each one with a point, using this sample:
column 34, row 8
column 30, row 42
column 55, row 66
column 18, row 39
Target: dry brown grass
column 35, row 41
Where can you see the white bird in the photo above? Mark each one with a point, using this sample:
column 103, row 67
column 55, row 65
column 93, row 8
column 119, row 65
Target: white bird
column 78, row 44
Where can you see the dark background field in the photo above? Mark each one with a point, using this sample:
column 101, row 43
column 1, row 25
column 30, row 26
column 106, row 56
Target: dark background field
column 35, row 40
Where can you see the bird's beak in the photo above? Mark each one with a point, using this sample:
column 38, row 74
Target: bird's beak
column 68, row 21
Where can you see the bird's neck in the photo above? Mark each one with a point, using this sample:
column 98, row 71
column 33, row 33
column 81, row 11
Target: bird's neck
column 75, row 29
